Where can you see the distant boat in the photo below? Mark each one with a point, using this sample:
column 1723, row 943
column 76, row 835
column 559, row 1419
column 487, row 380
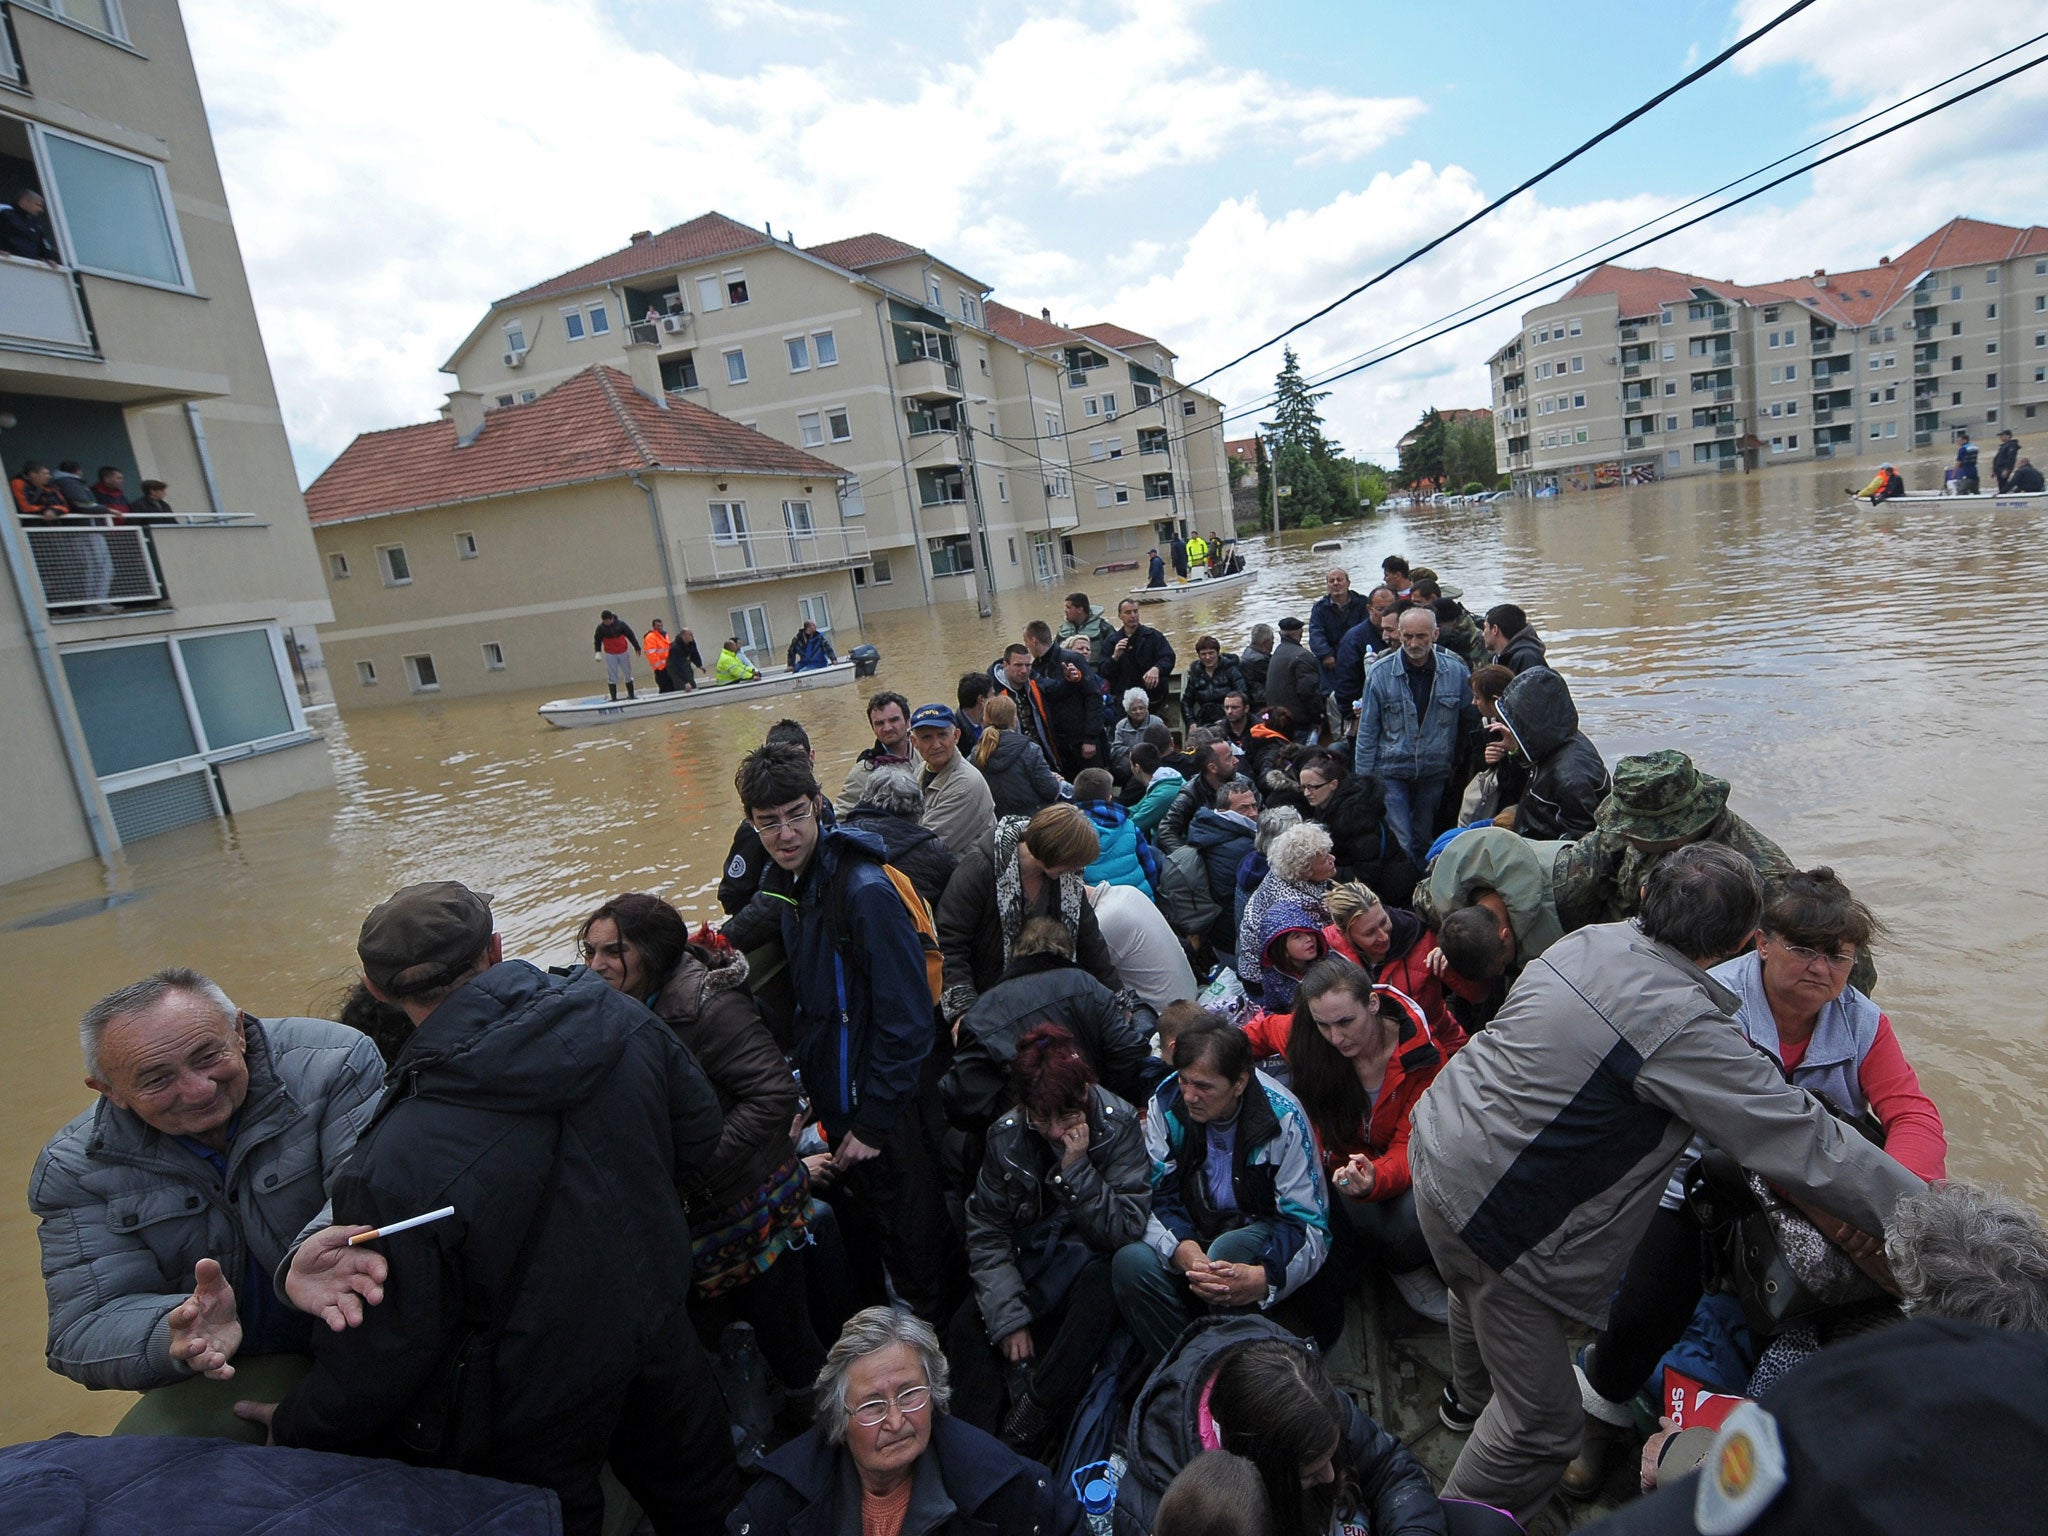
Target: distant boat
column 601, row 709
column 1191, row 587
column 1326, row 546
column 2004, row 501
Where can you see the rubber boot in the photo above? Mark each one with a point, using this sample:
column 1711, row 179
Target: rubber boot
column 613, row 689
column 630, row 694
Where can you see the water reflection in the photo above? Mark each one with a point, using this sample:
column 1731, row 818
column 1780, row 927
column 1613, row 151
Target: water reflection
column 1860, row 676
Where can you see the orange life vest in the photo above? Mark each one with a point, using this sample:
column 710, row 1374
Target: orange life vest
column 655, row 645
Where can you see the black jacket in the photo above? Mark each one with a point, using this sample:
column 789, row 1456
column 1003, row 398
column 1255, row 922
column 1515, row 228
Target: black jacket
column 965, row 1484
column 911, row 846
column 1146, row 649
column 2004, row 461
column 516, row 1073
column 1042, row 989
column 1567, row 781
column 1295, row 682
column 1255, row 665
column 1073, row 711
column 744, row 862
column 2027, row 479
column 1201, row 699
column 1523, row 651
column 1329, row 623
column 612, row 629
column 21, row 235
column 1165, row 1435
column 970, row 924
column 1366, row 848
column 1361, row 643
column 1197, row 794
column 1019, row 780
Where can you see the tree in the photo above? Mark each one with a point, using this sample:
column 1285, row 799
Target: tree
column 1468, row 454
column 1422, row 461
column 1305, row 461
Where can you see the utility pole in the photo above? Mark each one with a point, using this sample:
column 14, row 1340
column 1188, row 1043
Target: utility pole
column 1273, row 479
column 980, row 522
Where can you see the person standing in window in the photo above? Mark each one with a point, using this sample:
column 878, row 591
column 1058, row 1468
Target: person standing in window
column 21, row 229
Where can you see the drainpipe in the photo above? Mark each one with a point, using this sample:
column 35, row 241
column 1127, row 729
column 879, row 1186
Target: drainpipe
column 668, row 578
column 205, row 457
column 917, row 549
column 29, row 595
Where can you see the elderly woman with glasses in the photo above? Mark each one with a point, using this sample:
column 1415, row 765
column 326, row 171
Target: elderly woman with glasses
column 885, row 1457
column 1796, row 1006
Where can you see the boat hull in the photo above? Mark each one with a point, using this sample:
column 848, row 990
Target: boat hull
column 2015, row 501
column 1174, row 589
column 599, row 709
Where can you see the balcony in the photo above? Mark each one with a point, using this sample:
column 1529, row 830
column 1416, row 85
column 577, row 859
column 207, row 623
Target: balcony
column 1923, row 439
column 1724, row 429
column 1922, row 370
column 1631, row 370
column 1823, row 413
column 1633, row 442
column 928, row 378
column 1823, row 345
column 41, row 309
column 1724, row 394
column 87, row 568
column 715, row 561
column 1723, row 323
column 1630, row 332
column 1823, row 450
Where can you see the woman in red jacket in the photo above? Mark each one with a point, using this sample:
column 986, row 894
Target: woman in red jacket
column 1360, row 1056
column 1394, row 945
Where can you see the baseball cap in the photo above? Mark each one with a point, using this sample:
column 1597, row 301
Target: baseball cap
column 938, row 715
column 421, row 936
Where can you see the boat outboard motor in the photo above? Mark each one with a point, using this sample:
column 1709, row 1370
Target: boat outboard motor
column 866, row 659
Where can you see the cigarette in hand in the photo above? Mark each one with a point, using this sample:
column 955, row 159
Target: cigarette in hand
column 401, row 1226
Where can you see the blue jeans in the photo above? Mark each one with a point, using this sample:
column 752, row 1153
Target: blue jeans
column 1411, row 813
column 1154, row 1297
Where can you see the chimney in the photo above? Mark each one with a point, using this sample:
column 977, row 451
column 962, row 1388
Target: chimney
column 638, row 235
column 1045, row 315
column 1884, row 261
column 466, row 410
column 643, row 366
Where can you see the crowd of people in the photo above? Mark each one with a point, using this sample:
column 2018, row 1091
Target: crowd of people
column 1037, row 1108
column 675, row 660
column 83, row 570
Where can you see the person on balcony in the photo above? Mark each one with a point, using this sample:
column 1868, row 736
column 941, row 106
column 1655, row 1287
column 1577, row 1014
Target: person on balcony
column 35, row 499
column 732, row 666
column 110, row 490
column 21, row 229
column 809, row 650
column 613, row 640
column 151, row 506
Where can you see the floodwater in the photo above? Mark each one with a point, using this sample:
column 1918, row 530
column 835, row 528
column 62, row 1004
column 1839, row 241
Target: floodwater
column 1863, row 678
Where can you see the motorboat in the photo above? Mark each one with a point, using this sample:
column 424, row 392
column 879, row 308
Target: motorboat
column 601, row 709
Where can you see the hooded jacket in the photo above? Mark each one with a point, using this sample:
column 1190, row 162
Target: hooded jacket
column 1222, row 839
column 1523, row 651
column 517, row 1078
column 1126, row 857
column 1393, row 741
column 863, row 1007
column 1167, row 1432
column 1276, row 982
column 127, row 1213
column 706, row 1002
column 983, row 912
column 1019, row 780
column 1495, row 859
column 1042, row 989
column 1546, row 1143
column 910, row 845
column 1201, row 696
column 1366, row 848
column 1105, row 1197
column 1567, row 781
column 1274, row 889
column 1274, row 1176
column 1158, row 799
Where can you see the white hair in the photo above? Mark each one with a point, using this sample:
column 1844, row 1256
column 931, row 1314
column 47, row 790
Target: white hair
column 869, row 1330
column 1274, row 820
column 1296, row 850
column 1136, row 696
column 139, row 997
column 1975, row 1255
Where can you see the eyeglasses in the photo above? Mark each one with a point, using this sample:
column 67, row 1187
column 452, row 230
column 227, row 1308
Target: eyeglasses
column 790, row 823
column 1804, row 957
column 1310, row 786
column 876, row 1411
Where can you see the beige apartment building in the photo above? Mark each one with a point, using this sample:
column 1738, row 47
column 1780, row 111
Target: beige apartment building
column 1645, row 373
column 146, row 668
column 474, row 554
column 962, row 428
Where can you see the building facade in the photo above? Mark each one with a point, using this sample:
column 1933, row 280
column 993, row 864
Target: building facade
column 146, row 667
column 1645, row 373
column 961, row 426
column 474, row 554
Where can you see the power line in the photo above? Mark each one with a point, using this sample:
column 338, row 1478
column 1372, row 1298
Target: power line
column 1334, row 370
column 1735, row 202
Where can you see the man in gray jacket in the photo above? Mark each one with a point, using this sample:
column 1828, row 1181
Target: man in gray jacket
column 214, row 1141
column 1541, row 1150
column 957, row 802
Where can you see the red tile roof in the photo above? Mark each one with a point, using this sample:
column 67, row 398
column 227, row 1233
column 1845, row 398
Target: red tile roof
column 1120, row 337
column 1244, row 448
column 1636, row 290
column 1025, row 330
column 701, row 239
column 590, row 427
column 869, row 250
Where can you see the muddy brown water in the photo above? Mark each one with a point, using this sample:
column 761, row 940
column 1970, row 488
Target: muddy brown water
column 1865, row 679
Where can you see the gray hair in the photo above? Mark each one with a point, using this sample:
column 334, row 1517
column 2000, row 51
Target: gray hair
column 1296, row 849
column 1975, row 1255
column 1704, row 900
column 1261, row 638
column 140, row 997
column 1137, row 696
column 895, row 791
column 1426, row 611
column 1230, row 787
column 1272, row 822
column 869, row 1330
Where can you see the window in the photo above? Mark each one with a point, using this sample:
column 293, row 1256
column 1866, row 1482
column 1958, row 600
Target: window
column 366, row 673
column 1052, row 424
column 1578, row 402
column 515, row 336
column 810, row 428
column 1791, row 372
column 1991, row 274
column 504, row 400
column 113, row 211
column 880, row 571
column 679, row 371
column 572, row 324
column 494, row 656
column 796, row 520
column 1002, row 489
column 1062, row 488
column 2041, row 375
column 420, row 673
column 1109, row 405
column 465, row 546
column 1543, row 370
column 1955, row 291
column 728, row 522
column 735, row 288
column 1671, row 458
column 102, row 16
column 2041, row 270
column 1670, row 423
column 1097, row 450
column 851, row 503
column 1670, row 351
column 1956, row 398
column 1116, row 447
column 1791, row 407
column 1580, row 436
column 337, row 566
column 1121, row 496
column 2040, row 302
column 1102, row 495
column 952, row 554
column 1090, row 406
column 392, row 562
column 826, row 348
column 1664, row 314
column 749, row 626
column 1955, row 328
column 839, row 425
column 600, row 319
column 1576, row 329
column 1187, row 407
column 1891, row 429
column 1770, row 316
column 1671, row 386
column 1990, row 311
column 710, row 295
column 1543, row 335
column 1777, row 375
column 816, row 610
column 966, row 309
column 799, row 353
column 931, row 287
column 736, row 366
column 1955, row 365
column 1991, row 348
column 528, row 396
column 1578, row 365
column 1991, row 381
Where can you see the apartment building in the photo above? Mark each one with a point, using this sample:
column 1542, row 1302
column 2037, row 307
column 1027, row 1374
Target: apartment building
column 1646, row 373
column 146, row 669
column 957, row 423
column 473, row 554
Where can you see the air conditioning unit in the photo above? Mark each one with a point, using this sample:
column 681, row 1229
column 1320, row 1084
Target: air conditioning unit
column 676, row 323
column 514, row 359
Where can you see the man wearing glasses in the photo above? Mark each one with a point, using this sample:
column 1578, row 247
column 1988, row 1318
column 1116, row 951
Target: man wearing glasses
column 865, row 1031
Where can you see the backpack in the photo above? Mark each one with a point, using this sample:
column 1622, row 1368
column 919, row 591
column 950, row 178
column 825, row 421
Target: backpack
column 1184, row 894
column 920, row 913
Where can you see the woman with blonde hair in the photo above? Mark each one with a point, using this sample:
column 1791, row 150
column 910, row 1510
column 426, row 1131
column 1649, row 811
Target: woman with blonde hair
column 1019, row 781
column 1394, row 946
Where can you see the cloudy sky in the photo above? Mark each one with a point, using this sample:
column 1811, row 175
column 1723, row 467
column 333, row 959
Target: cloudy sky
column 1205, row 172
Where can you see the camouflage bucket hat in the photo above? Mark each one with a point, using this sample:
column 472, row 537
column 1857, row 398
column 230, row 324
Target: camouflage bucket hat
column 1661, row 797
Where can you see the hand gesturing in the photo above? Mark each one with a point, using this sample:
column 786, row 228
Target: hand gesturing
column 206, row 1328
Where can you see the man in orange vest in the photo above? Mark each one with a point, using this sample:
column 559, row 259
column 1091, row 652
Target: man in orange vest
column 654, row 645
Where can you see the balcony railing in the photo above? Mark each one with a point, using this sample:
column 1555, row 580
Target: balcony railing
column 1725, row 429
column 928, row 376
column 943, row 496
column 41, row 308
column 1922, row 370
column 1822, row 345
column 1823, row 413
column 1923, row 439
column 1823, row 450
column 1631, row 370
column 714, row 561
column 90, row 568
column 1723, row 394
column 1630, row 332
column 1723, row 323
column 1633, row 442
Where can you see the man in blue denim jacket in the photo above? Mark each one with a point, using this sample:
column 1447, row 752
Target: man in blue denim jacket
column 1408, row 728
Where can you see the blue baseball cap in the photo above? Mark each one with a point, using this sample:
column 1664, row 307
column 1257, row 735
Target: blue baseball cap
column 940, row 715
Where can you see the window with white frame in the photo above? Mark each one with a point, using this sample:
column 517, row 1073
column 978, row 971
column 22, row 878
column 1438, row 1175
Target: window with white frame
column 838, row 424
column 952, row 554
column 880, row 569
column 420, row 673
column 102, row 16
column 1187, row 407
column 825, row 347
column 504, row 400
column 1578, row 402
column 815, row 609
column 799, row 353
column 1580, row 436
column 528, row 396
column 810, row 428
column 710, row 293
column 1101, row 495
column 749, row 626
column 1991, row 348
column 1090, row 406
column 515, row 336
column 337, row 565
column 1121, row 495
column 735, row 288
column 1002, row 489
column 392, row 563
column 366, row 673
column 465, row 546
column 1052, row 423
column 572, row 323
column 851, row 503
column 1109, row 405
column 494, row 656
column 112, row 211
column 931, row 288
column 728, row 522
column 796, row 520
column 1576, row 329
column 1578, row 365
column 736, row 365
column 1097, row 450
column 1116, row 447
column 600, row 318
column 1991, row 274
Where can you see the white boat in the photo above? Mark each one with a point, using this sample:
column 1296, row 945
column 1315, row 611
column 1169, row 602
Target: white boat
column 601, row 709
column 1193, row 586
column 2001, row 501
column 1326, row 546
